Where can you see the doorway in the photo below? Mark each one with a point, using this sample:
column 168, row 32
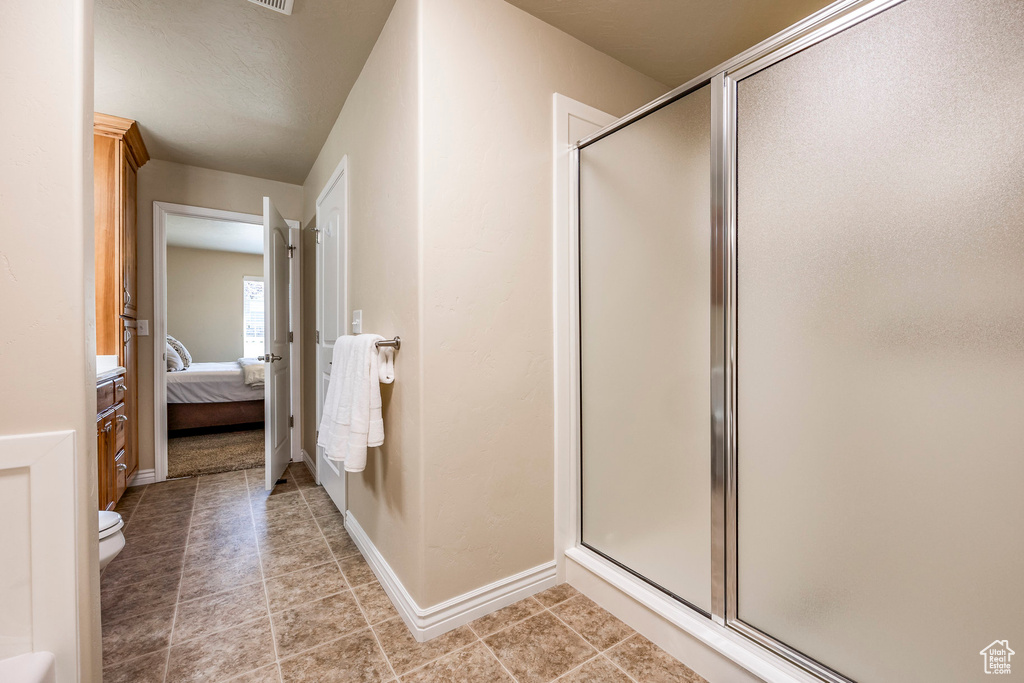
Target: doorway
column 210, row 301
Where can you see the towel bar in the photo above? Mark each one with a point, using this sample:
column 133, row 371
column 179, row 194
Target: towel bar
column 396, row 343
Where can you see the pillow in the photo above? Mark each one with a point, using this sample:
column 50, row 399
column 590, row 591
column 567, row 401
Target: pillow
column 186, row 357
column 174, row 361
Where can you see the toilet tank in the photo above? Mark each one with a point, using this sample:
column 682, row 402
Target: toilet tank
column 35, row 667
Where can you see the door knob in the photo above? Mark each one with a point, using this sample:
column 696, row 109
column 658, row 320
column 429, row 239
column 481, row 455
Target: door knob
column 269, row 359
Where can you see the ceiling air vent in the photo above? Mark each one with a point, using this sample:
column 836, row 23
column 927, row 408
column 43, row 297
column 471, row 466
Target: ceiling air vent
column 282, row 6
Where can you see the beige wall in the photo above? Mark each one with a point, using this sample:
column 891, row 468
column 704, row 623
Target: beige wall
column 450, row 247
column 204, row 300
column 490, row 71
column 180, row 184
column 48, row 335
column 377, row 130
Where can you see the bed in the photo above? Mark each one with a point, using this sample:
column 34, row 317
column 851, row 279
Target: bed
column 212, row 395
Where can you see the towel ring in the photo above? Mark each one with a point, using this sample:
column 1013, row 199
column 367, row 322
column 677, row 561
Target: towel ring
column 395, row 343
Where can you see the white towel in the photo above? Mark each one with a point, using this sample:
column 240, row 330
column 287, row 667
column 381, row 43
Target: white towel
column 352, row 419
column 254, row 371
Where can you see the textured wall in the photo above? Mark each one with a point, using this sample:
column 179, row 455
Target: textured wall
column 48, row 335
column 489, row 72
column 377, row 129
column 204, row 300
column 168, row 182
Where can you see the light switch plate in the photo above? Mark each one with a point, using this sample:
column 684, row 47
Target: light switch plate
column 142, row 328
column 357, row 322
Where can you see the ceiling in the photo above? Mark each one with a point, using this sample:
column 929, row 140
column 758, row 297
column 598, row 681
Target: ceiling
column 206, row 233
column 671, row 41
column 230, row 85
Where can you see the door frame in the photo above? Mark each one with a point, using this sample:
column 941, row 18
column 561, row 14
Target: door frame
column 161, row 210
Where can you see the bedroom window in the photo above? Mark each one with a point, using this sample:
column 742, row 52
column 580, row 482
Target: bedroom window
column 252, row 316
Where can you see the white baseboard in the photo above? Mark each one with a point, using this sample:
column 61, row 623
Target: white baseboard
column 430, row 622
column 310, row 462
column 142, row 477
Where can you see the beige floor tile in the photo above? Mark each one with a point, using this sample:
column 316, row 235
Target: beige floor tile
column 356, row 571
column 143, row 596
column 236, row 510
column 475, row 663
column 332, row 525
column 268, row 674
column 219, row 496
column 556, row 594
column 342, row 545
column 353, row 659
column 220, row 530
column 539, row 649
column 645, row 661
column 159, row 524
column 281, row 516
column 306, row 626
column 139, row 635
column 259, row 494
column 145, row 669
column 218, row 612
column 230, row 550
column 304, row 586
column 375, row 602
column 597, row 670
column 123, row 572
column 223, row 655
column 144, row 544
column 584, row 616
column 317, row 496
column 495, row 621
column 322, row 509
column 293, row 558
column 202, row 581
column 406, row 654
column 233, row 479
column 283, row 535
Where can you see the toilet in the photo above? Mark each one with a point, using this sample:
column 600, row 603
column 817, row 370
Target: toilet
column 111, row 538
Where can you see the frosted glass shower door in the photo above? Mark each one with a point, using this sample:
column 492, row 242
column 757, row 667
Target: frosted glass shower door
column 880, row 341
column 645, row 254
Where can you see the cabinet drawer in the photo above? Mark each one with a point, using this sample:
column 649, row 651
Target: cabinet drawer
column 119, row 388
column 120, row 427
column 121, row 475
column 104, row 395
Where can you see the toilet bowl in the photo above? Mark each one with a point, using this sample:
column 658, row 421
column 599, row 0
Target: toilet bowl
column 111, row 538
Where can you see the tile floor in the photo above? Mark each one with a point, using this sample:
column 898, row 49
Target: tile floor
column 221, row 581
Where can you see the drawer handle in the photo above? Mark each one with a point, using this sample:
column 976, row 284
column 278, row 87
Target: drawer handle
column 121, row 466
column 122, row 418
column 107, row 427
column 120, row 387
column 127, row 296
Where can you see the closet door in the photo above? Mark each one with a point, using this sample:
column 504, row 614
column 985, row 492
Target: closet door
column 129, row 183
column 645, row 347
column 880, row 319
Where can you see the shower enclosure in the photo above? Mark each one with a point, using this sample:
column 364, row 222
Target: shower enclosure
column 801, row 341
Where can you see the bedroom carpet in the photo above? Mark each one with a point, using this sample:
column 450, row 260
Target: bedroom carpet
column 190, row 456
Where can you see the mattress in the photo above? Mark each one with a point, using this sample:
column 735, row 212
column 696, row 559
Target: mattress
column 210, row 383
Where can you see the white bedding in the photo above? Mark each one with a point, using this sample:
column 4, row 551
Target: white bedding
column 211, row 383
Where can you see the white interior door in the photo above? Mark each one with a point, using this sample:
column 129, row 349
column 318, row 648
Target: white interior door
column 277, row 352
column 331, row 306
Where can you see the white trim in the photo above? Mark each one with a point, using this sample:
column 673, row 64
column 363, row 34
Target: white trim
column 565, row 372
column 161, row 210
column 47, row 534
column 143, row 477
column 310, row 464
column 728, row 643
column 430, row 622
column 295, row 329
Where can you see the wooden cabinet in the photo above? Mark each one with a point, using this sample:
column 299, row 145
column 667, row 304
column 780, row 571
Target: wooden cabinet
column 119, row 153
column 112, row 465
